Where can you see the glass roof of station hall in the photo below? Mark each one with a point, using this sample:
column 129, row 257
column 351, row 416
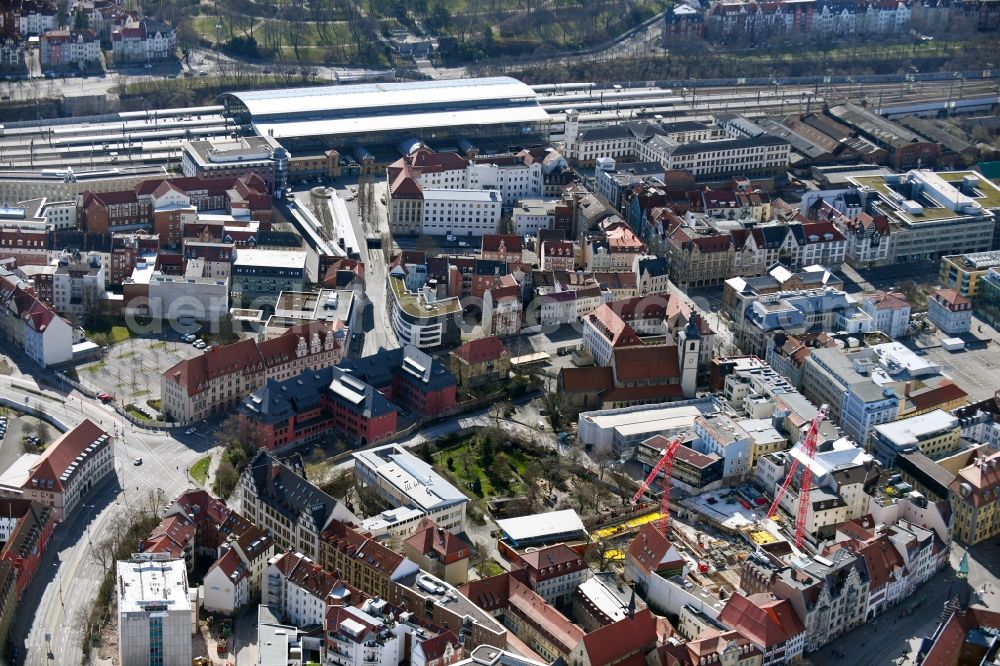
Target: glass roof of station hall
column 273, row 104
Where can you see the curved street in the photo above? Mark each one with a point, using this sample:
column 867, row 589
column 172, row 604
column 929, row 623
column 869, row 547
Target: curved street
column 67, row 579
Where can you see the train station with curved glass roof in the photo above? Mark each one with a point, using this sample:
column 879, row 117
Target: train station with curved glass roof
column 500, row 111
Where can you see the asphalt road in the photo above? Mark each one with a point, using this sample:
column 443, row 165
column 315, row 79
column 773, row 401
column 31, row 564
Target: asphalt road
column 69, row 575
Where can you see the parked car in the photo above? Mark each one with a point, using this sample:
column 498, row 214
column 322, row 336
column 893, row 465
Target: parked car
column 463, row 244
column 105, row 397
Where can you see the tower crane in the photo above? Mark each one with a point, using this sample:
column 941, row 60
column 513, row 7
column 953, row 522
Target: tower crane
column 665, row 464
column 809, row 450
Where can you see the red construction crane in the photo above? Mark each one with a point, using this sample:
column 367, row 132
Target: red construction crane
column 809, row 449
column 666, row 464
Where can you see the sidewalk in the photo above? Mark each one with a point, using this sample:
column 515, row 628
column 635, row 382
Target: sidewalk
column 213, row 468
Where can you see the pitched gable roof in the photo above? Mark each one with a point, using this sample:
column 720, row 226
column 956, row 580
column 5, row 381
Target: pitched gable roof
column 429, row 538
column 614, row 642
column 59, row 457
column 763, row 618
column 481, row 350
column 652, row 551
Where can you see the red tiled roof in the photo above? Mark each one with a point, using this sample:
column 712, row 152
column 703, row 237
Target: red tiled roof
column 481, row 350
column 982, row 475
column 651, row 551
column 888, row 300
column 763, row 618
column 534, row 609
column 200, row 506
column 436, row 647
column 711, row 644
column 557, row 249
column 589, row 379
column 652, row 362
column 363, row 547
column 429, row 538
column 61, row 454
column 950, row 297
column 171, row 536
column 500, row 293
column 610, row 323
column 821, row 229
column 511, row 244
column 552, row 561
column 245, row 356
column 658, row 393
column 307, row 575
column 948, row 645
column 944, row 393
column 613, row 642
column 193, row 373
column 231, row 566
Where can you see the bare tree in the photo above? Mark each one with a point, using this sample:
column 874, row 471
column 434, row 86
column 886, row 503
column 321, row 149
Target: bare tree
column 480, row 554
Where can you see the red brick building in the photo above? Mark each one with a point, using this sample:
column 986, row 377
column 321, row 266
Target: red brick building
column 158, row 204
column 358, row 400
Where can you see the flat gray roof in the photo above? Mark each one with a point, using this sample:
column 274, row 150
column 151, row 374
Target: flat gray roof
column 541, row 525
column 261, row 103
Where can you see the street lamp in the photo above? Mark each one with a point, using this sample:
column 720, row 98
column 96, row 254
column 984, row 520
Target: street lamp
column 89, row 539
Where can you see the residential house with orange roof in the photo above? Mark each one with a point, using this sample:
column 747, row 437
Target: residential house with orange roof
column 889, row 311
column 625, row 642
column 950, row 311
column 973, row 494
column 220, row 378
column 64, row 475
column 301, row 590
column 557, row 255
column 649, row 561
column 480, row 361
column 362, row 560
column 554, row 572
column 534, row 621
column 174, row 536
column 234, row 579
column 770, row 623
column 613, row 249
column 439, row 552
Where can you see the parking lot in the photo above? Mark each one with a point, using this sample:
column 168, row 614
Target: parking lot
column 15, row 428
column 975, row 370
column 130, row 372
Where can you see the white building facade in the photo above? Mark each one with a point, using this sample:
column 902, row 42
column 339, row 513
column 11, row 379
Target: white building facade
column 155, row 616
column 461, row 212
